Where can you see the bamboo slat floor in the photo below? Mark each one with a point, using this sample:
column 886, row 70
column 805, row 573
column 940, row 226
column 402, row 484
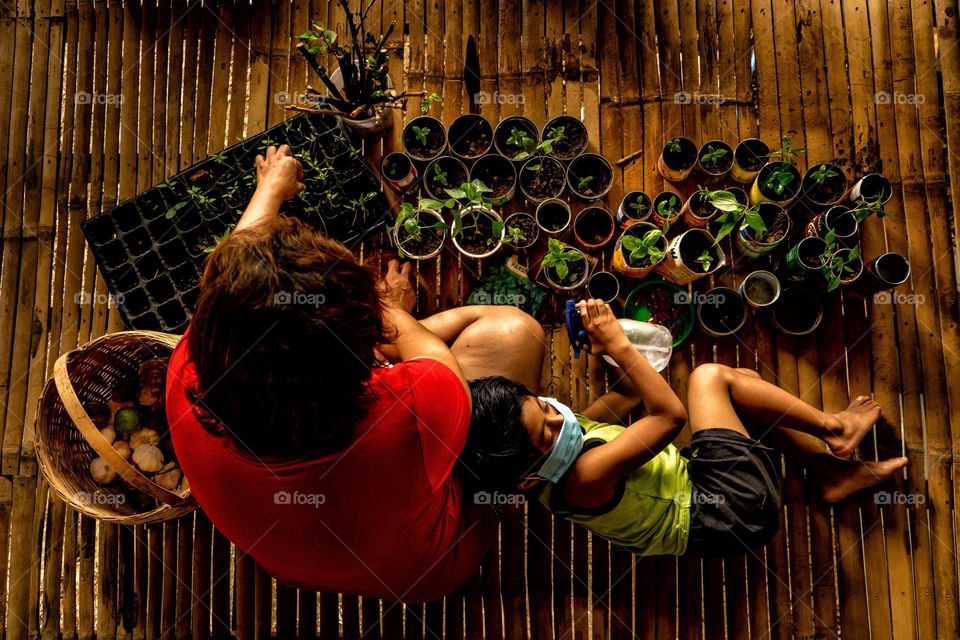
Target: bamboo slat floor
column 100, row 99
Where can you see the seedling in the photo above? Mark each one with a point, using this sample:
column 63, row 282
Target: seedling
column 172, row 211
column 835, row 266
column 786, row 152
column 645, row 246
column 713, row 155
column 220, row 158
column 668, row 209
column 866, row 206
column 584, row 182
column 559, row 257
column 218, row 239
column 515, row 236
column 427, row 101
column 674, row 145
column 779, row 178
column 421, row 134
column 823, row 172
column 639, row 207
column 544, row 148
column 732, row 212
column 408, row 219
column 706, row 260
column 440, row 175
column 466, row 195
column 522, row 140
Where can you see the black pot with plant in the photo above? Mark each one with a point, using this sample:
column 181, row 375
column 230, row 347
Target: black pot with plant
column 636, row 206
column 589, row 176
column 715, row 160
column 564, row 268
column 542, row 178
column 823, row 185
column 516, row 136
column 470, row 136
column 499, row 174
column 593, row 228
column 553, row 217
column 424, row 138
column 677, row 159
column 748, row 158
column 569, row 136
column 798, row 311
column 398, row 170
column 521, row 231
column 704, row 205
column 443, row 173
column 721, row 312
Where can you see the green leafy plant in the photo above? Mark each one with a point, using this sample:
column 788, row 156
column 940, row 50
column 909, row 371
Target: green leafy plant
column 706, row 260
column 866, row 206
column 713, row 155
column 219, row 158
column 669, row 209
column 584, row 182
column 462, row 197
column 544, row 148
column 835, row 266
column 636, row 248
column 218, row 239
column 559, row 258
column 674, row 145
column 515, row 236
column 427, row 101
column 732, row 213
column 421, row 133
column 787, row 153
column 639, row 207
column 408, row 219
column 520, row 139
column 779, row 178
column 440, row 175
column 822, row 173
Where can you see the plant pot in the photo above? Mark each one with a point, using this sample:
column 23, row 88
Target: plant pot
column 739, row 195
column 884, row 272
column 504, row 130
column 620, row 262
column 595, row 173
column 675, row 166
column 839, row 219
column 544, row 183
column 776, row 220
column 715, row 171
column 478, row 244
column 870, row 186
column 574, row 141
column 748, row 158
column 666, row 196
column 803, row 260
column 798, row 311
column 470, row 136
column 398, row 171
column 526, row 223
column 848, row 278
column 499, row 174
column 372, row 127
column 679, row 265
column 760, row 193
column 456, row 173
column 603, row 285
column 593, row 228
column 430, row 242
column 627, row 214
column 697, row 212
column 436, row 139
column 760, row 289
column 827, row 193
column 580, row 269
column 721, row 312
column 553, row 217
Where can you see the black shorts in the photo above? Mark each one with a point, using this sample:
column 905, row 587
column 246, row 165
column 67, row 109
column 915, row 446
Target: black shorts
column 735, row 506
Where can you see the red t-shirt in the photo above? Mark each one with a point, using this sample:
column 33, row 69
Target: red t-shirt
column 384, row 518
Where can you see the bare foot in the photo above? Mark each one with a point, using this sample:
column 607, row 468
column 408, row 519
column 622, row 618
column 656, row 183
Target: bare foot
column 854, row 422
column 846, row 477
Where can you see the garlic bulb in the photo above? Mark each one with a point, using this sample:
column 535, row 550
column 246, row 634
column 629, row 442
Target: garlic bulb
column 124, row 449
column 144, row 436
column 169, row 477
column 109, row 433
column 148, row 457
column 101, row 471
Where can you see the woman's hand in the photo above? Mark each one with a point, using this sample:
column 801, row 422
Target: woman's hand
column 396, row 288
column 279, row 173
column 606, row 334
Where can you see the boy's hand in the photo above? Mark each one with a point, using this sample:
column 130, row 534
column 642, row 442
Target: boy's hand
column 280, row 173
column 606, row 334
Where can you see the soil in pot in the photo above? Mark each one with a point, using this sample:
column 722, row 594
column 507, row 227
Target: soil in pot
column 725, row 313
column 527, row 226
column 892, row 268
column 505, row 130
column 590, row 176
column 547, row 182
column 712, row 161
column 682, row 158
column 428, row 145
column 497, row 173
column 553, row 216
column 470, row 137
column 574, row 139
column 777, row 222
column 794, row 311
column 594, row 226
column 701, row 206
column 428, row 240
column 810, row 254
column 397, row 167
column 636, row 206
column 830, row 189
column 477, row 237
column 444, row 173
column 751, row 154
column 692, row 247
column 758, row 290
column 667, row 205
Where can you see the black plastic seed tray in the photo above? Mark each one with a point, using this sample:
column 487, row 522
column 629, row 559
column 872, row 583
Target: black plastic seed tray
column 151, row 248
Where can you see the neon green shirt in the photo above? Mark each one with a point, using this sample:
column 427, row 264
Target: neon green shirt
column 650, row 515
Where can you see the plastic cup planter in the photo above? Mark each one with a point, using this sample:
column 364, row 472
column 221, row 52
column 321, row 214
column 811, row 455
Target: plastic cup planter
column 498, row 173
column 542, row 178
column 869, row 187
column 589, row 177
column 593, row 228
column 776, row 220
column 470, row 136
column 398, row 171
column 621, row 260
column 504, row 131
column 424, row 138
column 666, row 208
column 884, row 272
column 677, row 159
column 760, row 289
column 430, row 240
column 373, row 126
column 454, row 174
column 715, row 160
column 777, row 182
column 798, row 311
column 477, row 239
column 840, row 219
column 635, row 207
column 748, row 158
column 603, row 285
column 823, row 185
column 526, row 225
column 574, row 140
column 553, row 217
column 682, row 264
column 721, row 312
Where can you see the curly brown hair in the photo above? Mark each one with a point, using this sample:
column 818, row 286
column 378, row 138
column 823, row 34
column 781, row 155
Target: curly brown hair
column 283, row 338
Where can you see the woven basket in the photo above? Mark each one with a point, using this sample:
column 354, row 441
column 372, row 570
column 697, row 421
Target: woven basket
column 68, row 440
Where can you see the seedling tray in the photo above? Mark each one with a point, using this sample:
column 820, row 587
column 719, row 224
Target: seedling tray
column 151, row 248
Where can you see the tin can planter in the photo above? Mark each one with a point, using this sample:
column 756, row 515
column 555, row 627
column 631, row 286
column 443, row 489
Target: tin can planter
column 774, row 176
column 714, row 161
column 430, row 240
column 840, row 219
column 776, row 220
column 499, row 174
column 666, row 208
column 542, row 178
column 478, row 238
column 681, row 265
column 589, row 177
column 424, row 138
column 884, row 272
column 748, row 158
column 603, row 285
column 593, row 228
column 576, row 278
column 721, row 312
column 847, row 278
column 445, row 172
column 526, row 226
column 823, row 186
column 398, row 171
column 803, row 261
column 677, row 159
column 574, row 140
column 869, row 187
column 470, row 136
column 739, row 194
column 760, row 289
column 503, row 134
column 697, row 212
column 798, row 311
column 553, row 217
column 635, row 207
column 621, row 262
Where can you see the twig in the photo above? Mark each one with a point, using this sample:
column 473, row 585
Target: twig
column 383, row 41
column 627, row 159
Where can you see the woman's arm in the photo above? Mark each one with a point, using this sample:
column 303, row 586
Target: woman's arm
column 279, row 178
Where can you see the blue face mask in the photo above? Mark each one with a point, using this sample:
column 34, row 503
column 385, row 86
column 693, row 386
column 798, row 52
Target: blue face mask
column 567, row 446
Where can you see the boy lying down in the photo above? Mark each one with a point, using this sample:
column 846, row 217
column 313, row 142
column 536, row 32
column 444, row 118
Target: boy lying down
column 632, row 487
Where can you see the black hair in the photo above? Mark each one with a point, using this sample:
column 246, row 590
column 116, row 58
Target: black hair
column 498, row 454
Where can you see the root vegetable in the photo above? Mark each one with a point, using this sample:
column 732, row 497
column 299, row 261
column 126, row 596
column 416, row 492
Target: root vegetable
column 123, row 448
column 148, row 457
column 109, row 434
column 144, row 436
column 169, row 477
column 102, row 472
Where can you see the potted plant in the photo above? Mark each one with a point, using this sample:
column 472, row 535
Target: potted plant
column 424, row 138
column 778, row 181
column 867, row 206
column 499, row 174
column 721, row 312
column 639, row 249
column 666, row 208
column 760, row 288
column 564, row 268
column 603, row 285
column 635, row 207
column 677, row 159
column 823, row 185
column 872, row 186
column 570, row 137
column 748, row 158
column 715, row 160
column 418, row 233
column 798, row 311
column 844, row 267
column 803, row 260
column 470, row 136
column 840, row 219
column 703, row 205
column 738, row 194
column 764, row 228
column 516, row 135
column 443, row 173
column 398, row 171
column 477, row 230
column 589, row 176
column 691, row 255
column 553, row 217
column 593, row 228
column 884, row 272
column 542, row 176
column 521, row 231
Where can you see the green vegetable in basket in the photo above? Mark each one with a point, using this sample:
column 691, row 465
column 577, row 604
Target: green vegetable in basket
column 127, row 421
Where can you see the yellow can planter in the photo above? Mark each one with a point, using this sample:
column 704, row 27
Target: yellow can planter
column 756, row 193
column 619, row 261
column 750, row 147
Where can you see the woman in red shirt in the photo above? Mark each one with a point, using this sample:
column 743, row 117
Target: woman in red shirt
column 335, row 472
